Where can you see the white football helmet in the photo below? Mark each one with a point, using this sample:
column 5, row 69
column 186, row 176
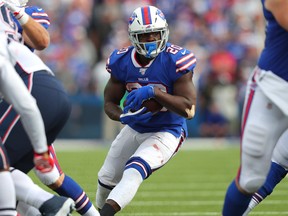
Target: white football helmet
column 145, row 20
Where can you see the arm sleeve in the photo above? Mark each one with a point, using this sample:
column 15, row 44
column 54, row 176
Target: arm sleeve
column 16, row 93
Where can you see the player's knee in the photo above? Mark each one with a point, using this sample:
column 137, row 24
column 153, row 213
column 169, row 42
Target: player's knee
column 280, row 156
column 140, row 165
column 251, row 185
column 108, row 178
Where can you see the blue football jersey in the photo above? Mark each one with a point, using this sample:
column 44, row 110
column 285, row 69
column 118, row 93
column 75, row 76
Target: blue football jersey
column 274, row 55
column 162, row 72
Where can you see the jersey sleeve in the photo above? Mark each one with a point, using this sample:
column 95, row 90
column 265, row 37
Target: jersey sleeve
column 117, row 63
column 183, row 60
column 39, row 15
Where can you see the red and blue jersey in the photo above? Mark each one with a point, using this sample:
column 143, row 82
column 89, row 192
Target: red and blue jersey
column 274, row 56
column 162, row 72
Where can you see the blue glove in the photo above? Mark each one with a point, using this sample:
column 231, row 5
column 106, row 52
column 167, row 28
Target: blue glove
column 136, row 97
column 137, row 116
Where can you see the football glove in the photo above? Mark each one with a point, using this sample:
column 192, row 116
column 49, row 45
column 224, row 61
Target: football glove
column 136, row 97
column 43, row 162
column 139, row 116
column 18, row 12
column 13, row 2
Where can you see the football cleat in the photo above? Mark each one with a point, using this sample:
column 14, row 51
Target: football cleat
column 57, row 206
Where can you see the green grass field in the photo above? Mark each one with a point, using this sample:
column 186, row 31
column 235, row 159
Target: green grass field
column 192, row 183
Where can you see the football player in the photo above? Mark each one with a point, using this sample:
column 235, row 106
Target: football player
column 14, row 92
column 51, row 98
column 265, row 114
column 151, row 68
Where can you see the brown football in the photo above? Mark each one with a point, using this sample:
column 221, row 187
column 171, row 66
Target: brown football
column 151, row 104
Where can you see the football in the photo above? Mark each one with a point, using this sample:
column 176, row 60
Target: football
column 151, row 104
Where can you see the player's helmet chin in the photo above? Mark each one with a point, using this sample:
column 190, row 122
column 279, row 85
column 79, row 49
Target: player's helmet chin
column 145, row 20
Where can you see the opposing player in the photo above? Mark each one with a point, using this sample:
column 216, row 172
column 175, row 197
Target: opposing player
column 15, row 93
column 37, row 37
column 265, row 114
column 151, row 68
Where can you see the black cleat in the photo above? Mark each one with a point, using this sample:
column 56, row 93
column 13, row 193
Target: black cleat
column 57, row 206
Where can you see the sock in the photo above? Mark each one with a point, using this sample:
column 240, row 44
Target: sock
column 8, row 196
column 235, row 203
column 102, row 194
column 126, row 189
column 107, row 210
column 70, row 188
column 27, row 191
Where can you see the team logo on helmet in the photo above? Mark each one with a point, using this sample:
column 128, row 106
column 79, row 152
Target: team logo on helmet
column 132, row 18
column 160, row 14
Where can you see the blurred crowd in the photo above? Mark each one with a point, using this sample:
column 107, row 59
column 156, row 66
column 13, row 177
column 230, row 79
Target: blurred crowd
column 225, row 35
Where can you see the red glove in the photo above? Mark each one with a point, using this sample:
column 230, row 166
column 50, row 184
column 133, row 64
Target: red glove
column 43, row 162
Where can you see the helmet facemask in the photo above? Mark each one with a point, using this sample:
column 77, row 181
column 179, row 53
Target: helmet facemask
column 156, row 23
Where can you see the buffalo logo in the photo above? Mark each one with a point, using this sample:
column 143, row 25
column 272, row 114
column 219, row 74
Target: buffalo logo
column 160, row 14
column 132, row 18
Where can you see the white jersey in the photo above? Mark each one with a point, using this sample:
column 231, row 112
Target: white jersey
column 27, row 60
column 7, row 24
column 15, row 92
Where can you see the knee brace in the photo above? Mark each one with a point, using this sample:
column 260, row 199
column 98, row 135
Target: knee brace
column 140, row 165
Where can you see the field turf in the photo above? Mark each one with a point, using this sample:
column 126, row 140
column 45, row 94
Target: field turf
column 193, row 183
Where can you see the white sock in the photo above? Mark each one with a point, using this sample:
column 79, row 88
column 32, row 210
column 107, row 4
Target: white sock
column 7, row 194
column 101, row 196
column 91, row 212
column 27, row 191
column 126, row 189
column 26, row 210
column 251, row 206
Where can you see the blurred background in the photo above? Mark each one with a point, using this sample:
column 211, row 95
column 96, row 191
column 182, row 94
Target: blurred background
column 225, row 35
